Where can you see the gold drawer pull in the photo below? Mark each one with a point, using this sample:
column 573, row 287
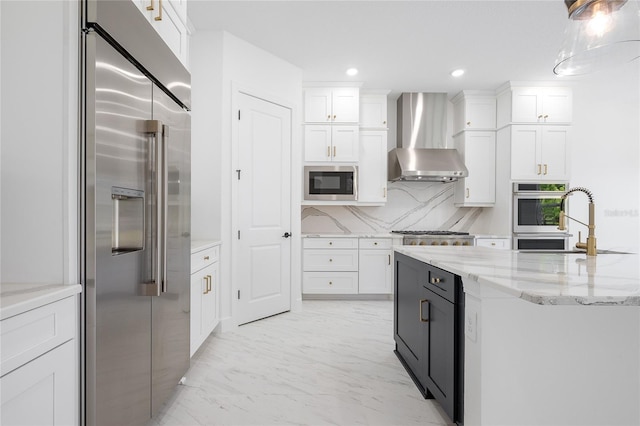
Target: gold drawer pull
column 435, row 280
column 421, row 317
column 206, row 258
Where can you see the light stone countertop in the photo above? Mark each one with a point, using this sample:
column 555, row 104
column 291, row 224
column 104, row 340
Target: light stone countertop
column 197, row 245
column 16, row 298
column 542, row 278
column 363, row 235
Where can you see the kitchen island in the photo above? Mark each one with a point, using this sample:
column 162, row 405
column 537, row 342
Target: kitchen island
column 549, row 338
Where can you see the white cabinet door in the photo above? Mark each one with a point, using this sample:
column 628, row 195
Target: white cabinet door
column 345, row 105
column 331, row 105
column 372, row 166
column 375, row 276
column 474, row 112
column 526, row 104
column 344, row 143
column 317, row 105
column 542, row 105
column 373, row 111
column 478, row 150
column 42, row 392
column 553, row 152
column 539, row 152
column 317, row 143
column 557, row 105
column 524, row 152
column 209, row 299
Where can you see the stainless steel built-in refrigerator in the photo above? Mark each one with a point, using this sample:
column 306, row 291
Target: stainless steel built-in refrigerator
column 136, row 226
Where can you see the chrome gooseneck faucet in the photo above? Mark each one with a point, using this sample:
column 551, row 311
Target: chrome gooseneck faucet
column 590, row 245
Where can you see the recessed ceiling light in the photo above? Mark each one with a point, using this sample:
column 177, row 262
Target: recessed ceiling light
column 457, row 73
column 352, row 71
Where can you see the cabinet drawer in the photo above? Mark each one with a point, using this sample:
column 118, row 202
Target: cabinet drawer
column 28, row 335
column 330, row 283
column 331, row 243
column 375, row 243
column 495, row 243
column 330, row 260
column 442, row 283
column 205, row 257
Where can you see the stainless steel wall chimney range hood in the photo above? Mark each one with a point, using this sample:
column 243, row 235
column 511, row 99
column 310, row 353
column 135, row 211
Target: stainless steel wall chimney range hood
column 422, row 126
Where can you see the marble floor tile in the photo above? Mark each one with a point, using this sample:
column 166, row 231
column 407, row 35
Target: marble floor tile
column 330, row 364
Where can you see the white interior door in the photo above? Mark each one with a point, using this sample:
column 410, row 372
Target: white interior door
column 263, row 266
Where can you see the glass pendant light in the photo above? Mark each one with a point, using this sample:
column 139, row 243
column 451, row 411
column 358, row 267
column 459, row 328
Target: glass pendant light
column 599, row 34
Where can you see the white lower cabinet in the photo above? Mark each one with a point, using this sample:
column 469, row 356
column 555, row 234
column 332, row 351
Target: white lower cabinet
column 347, row 266
column 375, row 274
column 39, row 383
column 205, row 288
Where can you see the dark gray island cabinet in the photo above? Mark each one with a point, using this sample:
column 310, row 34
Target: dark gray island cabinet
column 429, row 332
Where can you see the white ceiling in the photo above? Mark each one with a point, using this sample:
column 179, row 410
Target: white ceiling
column 403, row 46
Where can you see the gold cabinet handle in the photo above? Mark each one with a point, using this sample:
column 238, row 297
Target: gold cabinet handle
column 206, row 285
column 334, row 151
column 435, row 280
column 468, row 123
column 539, row 169
column 545, row 169
column 209, row 281
column 375, row 243
column 329, row 117
column 334, row 117
column 330, row 243
column 540, row 116
column 384, row 192
column 389, row 259
column 159, row 17
column 330, row 260
column 467, row 192
column 421, row 317
column 546, row 116
column 328, row 151
column 206, row 258
column 384, row 122
column 330, row 282
column 150, row 7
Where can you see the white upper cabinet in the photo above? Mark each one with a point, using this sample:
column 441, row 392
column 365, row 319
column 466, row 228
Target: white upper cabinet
column 474, row 110
column 539, row 152
column 169, row 19
column 478, row 151
column 373, row 111
column 330, row 143
column 331, row 105
column 372, row 167
column 522, row 105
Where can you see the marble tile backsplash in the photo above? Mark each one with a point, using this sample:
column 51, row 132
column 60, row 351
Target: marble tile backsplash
column 410, row 205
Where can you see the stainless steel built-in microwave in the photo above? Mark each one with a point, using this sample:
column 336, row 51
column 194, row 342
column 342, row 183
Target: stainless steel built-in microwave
column 331, row 183
column 536, row 207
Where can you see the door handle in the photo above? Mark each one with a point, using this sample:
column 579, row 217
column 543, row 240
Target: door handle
column 286, row 235
column 421, row 317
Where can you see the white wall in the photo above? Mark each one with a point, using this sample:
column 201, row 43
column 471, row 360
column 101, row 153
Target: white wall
column 222, row 63
column 39, row 219
column 605, row 154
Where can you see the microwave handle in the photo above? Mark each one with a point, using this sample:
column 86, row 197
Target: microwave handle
column 355, row 183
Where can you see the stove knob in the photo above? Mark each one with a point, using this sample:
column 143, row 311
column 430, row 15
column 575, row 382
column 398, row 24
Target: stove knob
column 412, row 243
column 456, row 243
column 423, row 243
column 434, row 243
column 444, row 243
column 465, row 243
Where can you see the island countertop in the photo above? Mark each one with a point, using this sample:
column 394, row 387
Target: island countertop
column 542, row 278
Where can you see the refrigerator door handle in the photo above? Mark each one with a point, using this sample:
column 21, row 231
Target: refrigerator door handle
column 154, row 129
column 165, row 203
